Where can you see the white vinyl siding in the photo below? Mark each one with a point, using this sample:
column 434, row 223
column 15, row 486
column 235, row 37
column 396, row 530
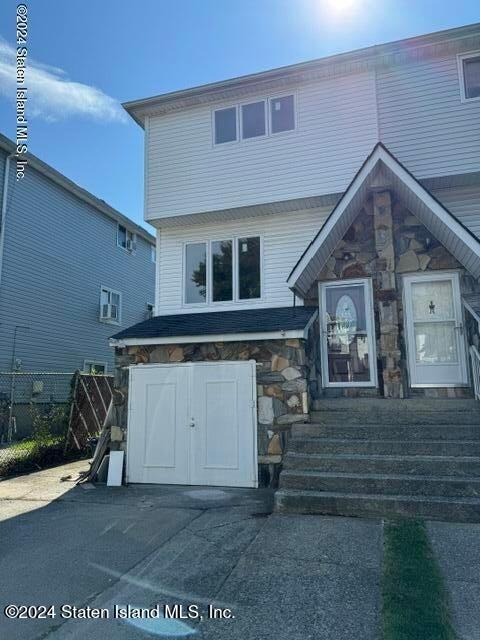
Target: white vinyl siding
column 187, row 173
column 464, row 203
column 284, row 238
column 423, row 121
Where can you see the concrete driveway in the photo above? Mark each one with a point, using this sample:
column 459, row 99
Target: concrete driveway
column 294, row 577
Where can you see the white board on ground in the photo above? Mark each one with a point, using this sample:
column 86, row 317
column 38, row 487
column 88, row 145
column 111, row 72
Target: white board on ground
column 115, row 469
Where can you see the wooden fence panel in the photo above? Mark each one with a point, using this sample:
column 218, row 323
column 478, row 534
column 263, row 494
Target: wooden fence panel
column 92, row 396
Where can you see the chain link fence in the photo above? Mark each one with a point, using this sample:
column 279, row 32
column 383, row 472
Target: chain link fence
column 34, row 418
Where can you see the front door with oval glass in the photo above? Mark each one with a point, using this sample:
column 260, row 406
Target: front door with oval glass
column 434, row 328
column 347, row 334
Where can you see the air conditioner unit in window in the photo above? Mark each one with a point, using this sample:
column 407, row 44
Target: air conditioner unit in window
column 131, row 245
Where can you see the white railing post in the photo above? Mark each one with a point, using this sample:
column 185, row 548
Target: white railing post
column 475, row 359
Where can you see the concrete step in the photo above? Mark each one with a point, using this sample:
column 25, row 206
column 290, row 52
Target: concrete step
column 356, row 504
column 390, row 432
column 364, row 416
column 384, row 484
column 396, row 406
column 461, row 466
column 385, row 447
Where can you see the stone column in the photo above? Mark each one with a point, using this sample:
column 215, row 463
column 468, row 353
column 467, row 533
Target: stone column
column 386, row 295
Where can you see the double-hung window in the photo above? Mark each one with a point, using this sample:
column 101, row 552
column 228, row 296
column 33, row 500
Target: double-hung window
column 222, row 270
column 110, row 305
column 469, row 71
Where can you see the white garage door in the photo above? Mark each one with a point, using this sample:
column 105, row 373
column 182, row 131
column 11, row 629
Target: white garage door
column 193, row 423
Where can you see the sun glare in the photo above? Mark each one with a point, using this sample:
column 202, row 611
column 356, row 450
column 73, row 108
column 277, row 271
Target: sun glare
column 341, row 7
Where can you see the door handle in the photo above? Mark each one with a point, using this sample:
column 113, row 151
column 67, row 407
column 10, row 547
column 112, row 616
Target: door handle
column 192, row 423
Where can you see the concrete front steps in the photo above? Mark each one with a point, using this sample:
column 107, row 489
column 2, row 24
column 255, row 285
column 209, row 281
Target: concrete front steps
column 418, row 458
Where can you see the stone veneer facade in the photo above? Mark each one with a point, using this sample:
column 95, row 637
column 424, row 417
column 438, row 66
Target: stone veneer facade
column 284, row 372
column 384, row 242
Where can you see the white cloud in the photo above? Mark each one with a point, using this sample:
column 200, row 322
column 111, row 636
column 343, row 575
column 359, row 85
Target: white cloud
column 51, row 95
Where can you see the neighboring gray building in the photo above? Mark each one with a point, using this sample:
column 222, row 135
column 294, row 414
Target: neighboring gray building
column 73, row 270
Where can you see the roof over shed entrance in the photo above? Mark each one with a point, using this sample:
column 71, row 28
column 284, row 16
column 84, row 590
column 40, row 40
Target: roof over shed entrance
column 381, row 170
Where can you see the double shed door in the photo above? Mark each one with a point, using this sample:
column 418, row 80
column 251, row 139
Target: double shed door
column 193, row 424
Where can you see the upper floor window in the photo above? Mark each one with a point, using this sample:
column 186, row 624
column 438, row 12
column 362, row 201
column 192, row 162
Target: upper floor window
column 110, row 305
column 254, row 119
column 282, row 114
column 225, row 125
column 469, row 66
column 153, row 253
column 223, row 270
column 126, row 238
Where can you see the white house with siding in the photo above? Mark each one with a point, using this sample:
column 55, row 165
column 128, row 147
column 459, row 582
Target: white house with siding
column 318, row 239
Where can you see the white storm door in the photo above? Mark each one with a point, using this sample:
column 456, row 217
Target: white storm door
column 223, row 447
column 347, row 334
column 435, row 342
column 158, row 431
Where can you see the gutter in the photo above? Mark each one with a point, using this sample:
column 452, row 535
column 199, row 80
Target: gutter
column 3, row 215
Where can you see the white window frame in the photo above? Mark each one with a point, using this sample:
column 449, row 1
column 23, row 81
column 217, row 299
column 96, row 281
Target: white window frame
column 235, row 272
column 265, row 112
column 130, row 237
column 461, row 76
column 87, row 361
column 108, row 320
column 268, row 120
column 295, row 123
column 153, row 254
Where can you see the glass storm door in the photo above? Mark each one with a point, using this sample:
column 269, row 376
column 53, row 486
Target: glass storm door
column 435, row 342
column 347, row 334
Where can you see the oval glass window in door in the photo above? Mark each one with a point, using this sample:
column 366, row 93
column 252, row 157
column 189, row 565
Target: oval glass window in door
column 346, row 317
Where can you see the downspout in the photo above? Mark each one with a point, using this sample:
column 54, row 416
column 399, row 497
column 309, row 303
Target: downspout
column 3, row 215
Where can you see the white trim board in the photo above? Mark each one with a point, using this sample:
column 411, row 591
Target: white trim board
column 436, row 218
column 227, row 337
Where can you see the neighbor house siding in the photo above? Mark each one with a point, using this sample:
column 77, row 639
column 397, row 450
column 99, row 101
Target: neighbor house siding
column 59, row 251
column 336, row 129
column 285, row 237
column 423, row 121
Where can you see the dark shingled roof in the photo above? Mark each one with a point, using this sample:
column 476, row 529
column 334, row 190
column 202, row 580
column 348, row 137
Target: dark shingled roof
column 473, row 301
column 220, row 322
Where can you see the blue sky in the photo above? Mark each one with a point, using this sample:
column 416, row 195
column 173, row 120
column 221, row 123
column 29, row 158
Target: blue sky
column 89, row 56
